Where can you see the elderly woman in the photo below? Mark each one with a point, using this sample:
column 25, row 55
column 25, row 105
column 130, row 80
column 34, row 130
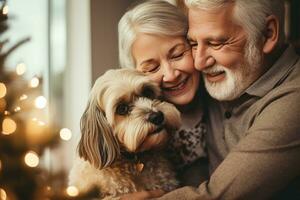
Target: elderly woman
column 152, row 40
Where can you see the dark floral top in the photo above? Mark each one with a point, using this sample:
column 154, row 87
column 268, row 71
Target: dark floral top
column 188, row 143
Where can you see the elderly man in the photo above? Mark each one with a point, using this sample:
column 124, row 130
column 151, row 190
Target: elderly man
column 253, row 79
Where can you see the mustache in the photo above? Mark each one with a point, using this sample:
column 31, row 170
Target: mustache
column 214, row 69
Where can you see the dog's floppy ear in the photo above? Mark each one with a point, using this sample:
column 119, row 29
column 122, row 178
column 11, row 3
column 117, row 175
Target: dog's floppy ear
column 97, row 144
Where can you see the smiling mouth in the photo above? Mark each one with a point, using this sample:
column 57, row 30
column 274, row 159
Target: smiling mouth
column 160, row 128
column 215, row 76
column 178, row 86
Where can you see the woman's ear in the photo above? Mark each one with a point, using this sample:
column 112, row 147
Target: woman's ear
column 97, row 144
column 271, row 34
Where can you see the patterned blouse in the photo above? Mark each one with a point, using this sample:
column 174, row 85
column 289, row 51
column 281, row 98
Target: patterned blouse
column 188, row 143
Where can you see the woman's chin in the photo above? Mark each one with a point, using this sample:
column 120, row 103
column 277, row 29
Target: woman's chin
column 181, row 100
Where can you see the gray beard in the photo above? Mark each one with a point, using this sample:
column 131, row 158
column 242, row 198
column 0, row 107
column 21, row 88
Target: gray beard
column 237, row 80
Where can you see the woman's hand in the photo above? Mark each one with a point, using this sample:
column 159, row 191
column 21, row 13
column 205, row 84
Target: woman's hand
column 143, row 195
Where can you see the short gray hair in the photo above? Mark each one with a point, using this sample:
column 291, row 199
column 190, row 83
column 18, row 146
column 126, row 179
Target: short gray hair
column 250, row 14
column 156, row 17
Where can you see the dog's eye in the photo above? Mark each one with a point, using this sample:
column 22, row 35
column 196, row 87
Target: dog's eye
column 148, row 93
column 122, row 109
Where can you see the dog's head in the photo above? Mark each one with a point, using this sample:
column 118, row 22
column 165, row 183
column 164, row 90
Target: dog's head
column 124, row 112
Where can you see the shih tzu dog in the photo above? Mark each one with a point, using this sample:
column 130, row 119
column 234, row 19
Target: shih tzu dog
column 124, row 128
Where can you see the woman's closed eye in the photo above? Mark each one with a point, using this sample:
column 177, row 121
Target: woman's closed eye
column 152, row 68
column 180, row 54
column 177, row 56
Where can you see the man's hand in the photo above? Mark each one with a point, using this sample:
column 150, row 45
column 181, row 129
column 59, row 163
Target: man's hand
column 143, row 195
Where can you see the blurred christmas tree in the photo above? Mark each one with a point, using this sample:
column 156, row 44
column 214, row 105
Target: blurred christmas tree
column 25, row 133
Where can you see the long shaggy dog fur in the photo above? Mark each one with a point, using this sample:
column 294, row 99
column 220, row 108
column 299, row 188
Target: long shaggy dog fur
column 124, row 128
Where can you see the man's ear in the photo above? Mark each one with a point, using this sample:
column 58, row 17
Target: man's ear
column 271, row 34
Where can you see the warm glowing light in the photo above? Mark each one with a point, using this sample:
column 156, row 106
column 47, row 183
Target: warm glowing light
column 72, row 191
column 48, row 191
column 21, row 69
column 23, row 97
column 34, row 82
column 5, row 10
column 48, row 188
column 65, row 134
column 8, row 126
column 41, row 123
column 2, row 90
column 0, row 165
column 31, row 159
column 37, row 131
column 3, row 195
column 6, row 112
column 40, row 102
column 17, row 109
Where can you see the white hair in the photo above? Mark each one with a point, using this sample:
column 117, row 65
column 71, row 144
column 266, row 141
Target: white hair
column 157, row 17
column 250, row 14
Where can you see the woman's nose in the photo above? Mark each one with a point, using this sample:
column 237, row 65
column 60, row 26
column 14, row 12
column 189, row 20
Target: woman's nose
column 170, row 73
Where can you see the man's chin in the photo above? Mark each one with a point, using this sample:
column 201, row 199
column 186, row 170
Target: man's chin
column 222, row 91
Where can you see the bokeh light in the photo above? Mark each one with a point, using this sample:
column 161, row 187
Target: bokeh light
column 8, row 126
column 31, row 159
column 36, row 131
column 21, row 69
column 41, row 123
column 5, row 10
column 34, row 82
column 3, row 195
column 40, row 102
column 2, row 90
column 17, row 109
column 65, row 134
column 23, row 97
column 72, row 191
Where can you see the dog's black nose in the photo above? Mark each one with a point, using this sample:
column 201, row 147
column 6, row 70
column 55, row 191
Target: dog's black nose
column 156, row 118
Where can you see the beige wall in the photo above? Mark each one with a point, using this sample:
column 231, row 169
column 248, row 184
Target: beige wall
column 105, row 15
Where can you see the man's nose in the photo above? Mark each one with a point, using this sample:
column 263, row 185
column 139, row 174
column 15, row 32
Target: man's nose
column 203, row 58
column 170, row 73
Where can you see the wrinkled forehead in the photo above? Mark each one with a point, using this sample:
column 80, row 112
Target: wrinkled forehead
column 211, row 23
